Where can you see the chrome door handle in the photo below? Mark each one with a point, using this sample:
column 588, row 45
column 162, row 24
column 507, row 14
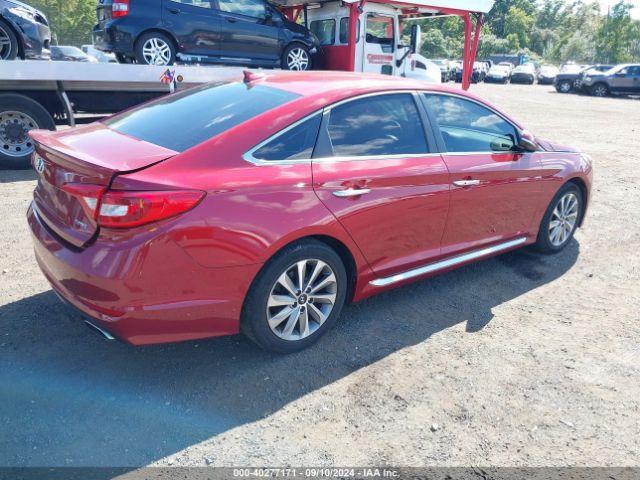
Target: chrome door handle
column 466, row 183
column 351, row 192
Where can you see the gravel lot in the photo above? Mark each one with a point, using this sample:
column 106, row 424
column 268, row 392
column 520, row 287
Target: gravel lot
column 518, row 360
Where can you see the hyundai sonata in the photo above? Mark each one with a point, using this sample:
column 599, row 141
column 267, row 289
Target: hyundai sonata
column 265, row 204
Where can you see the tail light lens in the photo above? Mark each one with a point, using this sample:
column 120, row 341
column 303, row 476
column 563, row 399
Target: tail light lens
column 120, row 8
column 125, row 209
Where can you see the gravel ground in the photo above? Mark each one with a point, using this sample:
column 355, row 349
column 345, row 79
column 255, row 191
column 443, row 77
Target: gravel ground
column 519, row 360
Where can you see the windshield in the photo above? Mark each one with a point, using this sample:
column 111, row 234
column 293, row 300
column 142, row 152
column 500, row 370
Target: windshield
column 182, row 120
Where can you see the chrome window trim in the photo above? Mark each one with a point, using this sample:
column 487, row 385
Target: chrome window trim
column 248, row 156
column 448, row 262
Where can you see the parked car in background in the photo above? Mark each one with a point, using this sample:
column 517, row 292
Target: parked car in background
column 478, row 75
column 509, row 65
column 157, row 32
column 498, row 74
column 70, row 54
column 569, row 77
column 287, row 197
column 99, row 55
column 24, row 31
column 620, row 80
column 547, row 74
column 445, row 68
column 524, row 74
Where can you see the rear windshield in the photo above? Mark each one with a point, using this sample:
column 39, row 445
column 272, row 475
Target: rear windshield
column 185, row 119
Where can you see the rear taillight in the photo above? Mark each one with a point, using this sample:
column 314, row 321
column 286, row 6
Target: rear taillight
column 124, row 209
column 120, row 8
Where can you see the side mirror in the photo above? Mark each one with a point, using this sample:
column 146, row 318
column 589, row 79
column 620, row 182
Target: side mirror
column 527, row 142
column 416, row 38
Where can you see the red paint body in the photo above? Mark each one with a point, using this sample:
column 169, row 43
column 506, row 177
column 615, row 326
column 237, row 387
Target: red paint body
column 187, row 277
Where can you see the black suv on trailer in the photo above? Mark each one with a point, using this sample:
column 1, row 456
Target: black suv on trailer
column 24, row 31
column 242, row 32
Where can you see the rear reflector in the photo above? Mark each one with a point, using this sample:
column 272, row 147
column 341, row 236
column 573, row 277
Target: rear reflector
column 124, row 209
column 120, row 8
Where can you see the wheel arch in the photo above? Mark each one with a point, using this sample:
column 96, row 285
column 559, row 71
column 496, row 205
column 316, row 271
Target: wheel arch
column 582, row 186
column 167, row 33
column 15, row 31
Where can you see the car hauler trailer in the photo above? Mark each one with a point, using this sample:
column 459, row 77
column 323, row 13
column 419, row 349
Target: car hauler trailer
column 40, row 94
column 365, row 35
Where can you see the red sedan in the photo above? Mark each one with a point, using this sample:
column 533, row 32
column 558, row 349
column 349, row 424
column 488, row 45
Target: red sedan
column 264, row 205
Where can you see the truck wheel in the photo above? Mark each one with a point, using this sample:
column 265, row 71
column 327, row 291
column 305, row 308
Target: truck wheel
column 155, row 48
column 8, row 42
column 296, row 57
column 18, row 115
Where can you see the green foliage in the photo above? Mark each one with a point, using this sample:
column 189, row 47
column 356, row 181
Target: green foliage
column 553, row 30
column 71, row 20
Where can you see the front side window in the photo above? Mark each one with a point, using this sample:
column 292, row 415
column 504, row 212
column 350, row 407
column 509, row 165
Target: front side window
column 185, row 119
column 380, row 31
column 248, row 8
column 381, row 125
column 295, row 144
column 325, row 30
column 467, row 126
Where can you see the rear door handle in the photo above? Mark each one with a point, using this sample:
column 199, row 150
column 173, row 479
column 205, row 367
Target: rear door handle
column 351, row 192
column 231, row 20
column 466, row 183
column 174, row 10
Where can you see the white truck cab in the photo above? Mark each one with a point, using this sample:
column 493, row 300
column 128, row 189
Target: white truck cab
column 379, row 46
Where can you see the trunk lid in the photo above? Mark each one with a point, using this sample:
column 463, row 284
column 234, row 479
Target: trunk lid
column 76, row 159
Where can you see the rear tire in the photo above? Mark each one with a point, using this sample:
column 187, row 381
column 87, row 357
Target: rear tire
column 561, row 219
column 8, row 42
column 155, row 48
column 18, row 115
column 269, row 306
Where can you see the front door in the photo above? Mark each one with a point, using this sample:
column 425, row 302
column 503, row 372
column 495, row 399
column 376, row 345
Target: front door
column 495, row 189
column 250, row 30
column 379, row 44
column 195, row 25
column 375, row 170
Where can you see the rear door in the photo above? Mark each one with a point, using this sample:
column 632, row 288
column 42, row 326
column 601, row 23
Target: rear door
column 249, row 30
column 495, row 190
column 378, row 173
column 195, row 24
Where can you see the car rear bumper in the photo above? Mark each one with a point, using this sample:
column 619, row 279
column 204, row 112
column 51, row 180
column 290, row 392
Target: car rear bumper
column 143, row 291
column 526, row 78
column 114, row 37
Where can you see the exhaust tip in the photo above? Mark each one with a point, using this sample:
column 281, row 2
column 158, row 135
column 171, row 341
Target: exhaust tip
column 102, row 332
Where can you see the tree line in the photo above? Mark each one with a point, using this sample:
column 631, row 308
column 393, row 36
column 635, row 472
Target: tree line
column 551, row 30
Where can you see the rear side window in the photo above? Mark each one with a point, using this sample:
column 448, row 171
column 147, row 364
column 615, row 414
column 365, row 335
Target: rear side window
column 381, row 125
column 325, row 30
column 185, row 119
column 196, row 3
column 467, row 126
column 296, row 143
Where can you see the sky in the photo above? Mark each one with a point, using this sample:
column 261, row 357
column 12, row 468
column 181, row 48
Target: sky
column 604, row 4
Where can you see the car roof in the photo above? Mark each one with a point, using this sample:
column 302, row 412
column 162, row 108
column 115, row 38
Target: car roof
column 333, row 85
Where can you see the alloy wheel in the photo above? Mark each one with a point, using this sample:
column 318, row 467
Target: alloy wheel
column 5, row 44
column 156, row 52
column 298, row 59
column 563, row 219
column 565, row 87
column 301, row 299
column 14, row 129
column 600, row 91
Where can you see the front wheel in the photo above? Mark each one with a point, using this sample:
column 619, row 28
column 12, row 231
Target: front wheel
column 561, row 219
column 600, row 90
column 564, row 86
column 296, row 57
column 296, row 297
